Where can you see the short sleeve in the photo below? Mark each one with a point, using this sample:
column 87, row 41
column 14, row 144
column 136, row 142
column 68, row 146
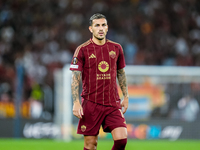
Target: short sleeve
column 77, row 60
column 121, row 60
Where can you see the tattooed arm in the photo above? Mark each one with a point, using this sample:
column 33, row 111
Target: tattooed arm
column 121, row 76
column 77, row 108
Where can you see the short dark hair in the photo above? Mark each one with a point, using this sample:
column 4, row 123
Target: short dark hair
column 96, row 16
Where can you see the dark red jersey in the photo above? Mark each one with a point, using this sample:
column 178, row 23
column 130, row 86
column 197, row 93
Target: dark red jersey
column 99, row 65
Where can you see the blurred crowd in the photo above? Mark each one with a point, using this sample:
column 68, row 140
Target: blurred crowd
column 42, row 35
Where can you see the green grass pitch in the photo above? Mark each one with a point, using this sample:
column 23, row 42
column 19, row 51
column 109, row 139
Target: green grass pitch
column 30, row 144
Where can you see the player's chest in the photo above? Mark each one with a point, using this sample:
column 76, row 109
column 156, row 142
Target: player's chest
column 100, row 56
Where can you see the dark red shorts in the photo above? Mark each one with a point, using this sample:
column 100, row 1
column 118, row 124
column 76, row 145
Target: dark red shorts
column 96, row 115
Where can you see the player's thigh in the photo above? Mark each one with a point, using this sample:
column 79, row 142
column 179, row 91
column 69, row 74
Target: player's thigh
column 119, row 133
column 114, row 119
column 91, row 120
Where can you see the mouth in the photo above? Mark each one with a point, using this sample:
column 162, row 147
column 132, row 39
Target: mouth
column 101, row 33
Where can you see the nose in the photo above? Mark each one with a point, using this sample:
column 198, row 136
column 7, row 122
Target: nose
column 100, row 27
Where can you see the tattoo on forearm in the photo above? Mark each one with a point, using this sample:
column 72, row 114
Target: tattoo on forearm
column 76, row 75
column 122, row 82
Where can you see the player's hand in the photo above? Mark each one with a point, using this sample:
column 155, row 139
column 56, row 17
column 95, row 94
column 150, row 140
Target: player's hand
column 77, row 110
column 124, row 104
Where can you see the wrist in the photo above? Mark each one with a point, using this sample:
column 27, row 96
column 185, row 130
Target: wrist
column 126, row 96
column 76, row 102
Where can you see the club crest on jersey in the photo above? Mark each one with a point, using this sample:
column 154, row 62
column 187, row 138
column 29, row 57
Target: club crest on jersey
column 83, row 128
column 103, row 66
column 75, row 60
column 112, row 54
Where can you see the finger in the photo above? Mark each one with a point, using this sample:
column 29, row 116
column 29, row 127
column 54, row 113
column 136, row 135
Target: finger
column 124, row 110
column 76, row 114
column 122, row 104
column 81, row 112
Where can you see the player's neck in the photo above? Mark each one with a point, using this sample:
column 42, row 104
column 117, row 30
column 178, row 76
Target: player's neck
column 99, row 42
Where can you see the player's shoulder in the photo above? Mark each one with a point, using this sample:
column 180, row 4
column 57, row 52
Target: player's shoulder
column 81, row 48
column 85, row 44
column 114, row 43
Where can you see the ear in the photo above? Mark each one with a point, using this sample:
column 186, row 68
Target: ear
column 90, row 28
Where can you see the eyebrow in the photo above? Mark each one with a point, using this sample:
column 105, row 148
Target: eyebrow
column 100, row 24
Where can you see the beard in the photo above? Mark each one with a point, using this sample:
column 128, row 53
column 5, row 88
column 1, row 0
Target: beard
column 99, row 38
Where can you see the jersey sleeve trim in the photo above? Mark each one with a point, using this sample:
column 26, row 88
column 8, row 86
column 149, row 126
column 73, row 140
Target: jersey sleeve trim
column 117, row 44
column 79, row 47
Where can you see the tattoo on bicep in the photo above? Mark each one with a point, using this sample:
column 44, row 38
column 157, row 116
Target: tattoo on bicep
column 122, row 81
column 76, row 75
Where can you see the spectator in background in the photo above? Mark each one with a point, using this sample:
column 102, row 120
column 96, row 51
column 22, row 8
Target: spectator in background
column 130, row 50
column 36, row 101
column 188, row 108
